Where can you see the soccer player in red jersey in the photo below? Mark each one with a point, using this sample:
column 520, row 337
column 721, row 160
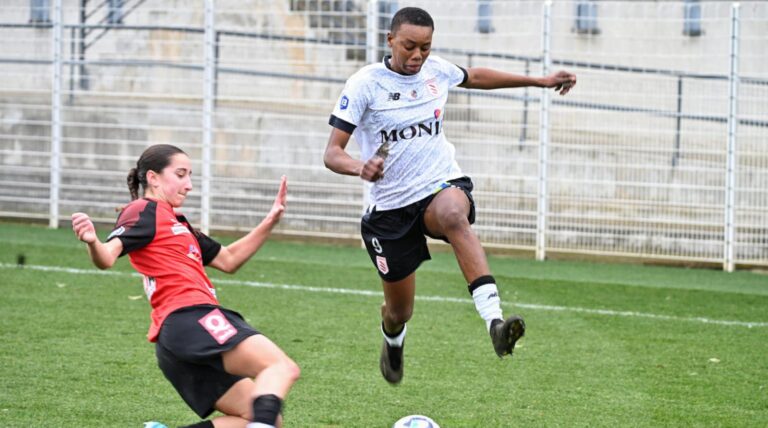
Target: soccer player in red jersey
column 214, row 359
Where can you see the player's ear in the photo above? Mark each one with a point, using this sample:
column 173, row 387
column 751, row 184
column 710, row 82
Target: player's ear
column 389, row 39
column 152, row 179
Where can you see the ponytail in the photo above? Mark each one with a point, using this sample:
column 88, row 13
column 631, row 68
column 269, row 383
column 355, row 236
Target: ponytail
column 133, row 183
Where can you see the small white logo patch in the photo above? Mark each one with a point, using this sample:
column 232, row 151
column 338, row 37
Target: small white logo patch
column 381, row 263
column 179, row 229
column 117, row 232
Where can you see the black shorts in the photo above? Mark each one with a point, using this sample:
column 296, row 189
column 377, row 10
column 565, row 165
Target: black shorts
column 395, row 239
column 189, row 350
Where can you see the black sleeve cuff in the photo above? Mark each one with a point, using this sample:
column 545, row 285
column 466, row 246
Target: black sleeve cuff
column 466, row 75
column 341, row 124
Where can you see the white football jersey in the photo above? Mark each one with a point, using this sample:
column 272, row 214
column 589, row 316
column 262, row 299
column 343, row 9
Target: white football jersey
column 380, row 106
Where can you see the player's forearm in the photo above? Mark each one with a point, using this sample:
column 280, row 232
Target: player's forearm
column 487, row 78
column 338, row 161
column 240, row 251
column 100, row 255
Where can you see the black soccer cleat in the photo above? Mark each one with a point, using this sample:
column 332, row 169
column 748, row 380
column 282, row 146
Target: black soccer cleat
column 504, row 334
column 391, row 363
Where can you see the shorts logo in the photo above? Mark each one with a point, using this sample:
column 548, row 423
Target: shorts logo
column 218, row 326
column 344, row 103
column 381, row 263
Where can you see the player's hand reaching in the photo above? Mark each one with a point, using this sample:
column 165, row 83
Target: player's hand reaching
column 562, row 81
column 83, row 228
column 278, row 207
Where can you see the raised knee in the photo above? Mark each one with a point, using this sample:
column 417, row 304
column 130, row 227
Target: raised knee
column 453, row 219
column 292, row 370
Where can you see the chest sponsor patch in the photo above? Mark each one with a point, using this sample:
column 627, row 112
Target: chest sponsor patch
column 217, row 325
column 179, row 229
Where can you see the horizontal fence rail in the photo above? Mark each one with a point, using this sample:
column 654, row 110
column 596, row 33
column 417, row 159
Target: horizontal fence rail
column 660, row 152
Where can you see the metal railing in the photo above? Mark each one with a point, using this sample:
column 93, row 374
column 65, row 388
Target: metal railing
column 550, row 204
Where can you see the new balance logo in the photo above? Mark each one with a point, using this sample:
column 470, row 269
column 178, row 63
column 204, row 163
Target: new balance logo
column 393, row 96
column 492, row 295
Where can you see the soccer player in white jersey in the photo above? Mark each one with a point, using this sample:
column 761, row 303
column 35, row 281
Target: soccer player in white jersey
column 395, row 110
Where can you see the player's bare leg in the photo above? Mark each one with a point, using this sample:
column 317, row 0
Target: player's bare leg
column 395, row 313
column 446, row 216
column 237, row 399
column 273, row 374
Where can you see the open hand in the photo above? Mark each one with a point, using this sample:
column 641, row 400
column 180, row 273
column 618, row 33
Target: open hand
column 562, row 81
column 278, row 207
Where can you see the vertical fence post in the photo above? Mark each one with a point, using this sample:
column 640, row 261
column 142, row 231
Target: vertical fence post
column 524, row 129
column 209, row 83
column 56, row 67
column 730, row 177
column 541, row 215
column 371, row 32
column 678, row 121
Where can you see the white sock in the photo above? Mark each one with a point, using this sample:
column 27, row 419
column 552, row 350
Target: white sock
column 258, row 425
column 396, row 342
column 487, row 303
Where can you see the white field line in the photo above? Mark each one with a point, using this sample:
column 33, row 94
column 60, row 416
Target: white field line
column 379, row 294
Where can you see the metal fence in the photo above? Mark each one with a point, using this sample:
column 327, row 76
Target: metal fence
column 661, row 151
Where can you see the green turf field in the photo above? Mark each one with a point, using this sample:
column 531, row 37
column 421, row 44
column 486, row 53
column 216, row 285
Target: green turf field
column 607, row 345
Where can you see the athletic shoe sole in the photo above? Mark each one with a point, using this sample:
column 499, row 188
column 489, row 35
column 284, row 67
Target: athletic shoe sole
column 505, row 335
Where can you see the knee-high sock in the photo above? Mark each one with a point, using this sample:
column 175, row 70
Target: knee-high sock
column 486, row 296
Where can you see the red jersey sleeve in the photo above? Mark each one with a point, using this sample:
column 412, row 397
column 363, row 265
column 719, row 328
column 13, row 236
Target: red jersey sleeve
column 135, row 226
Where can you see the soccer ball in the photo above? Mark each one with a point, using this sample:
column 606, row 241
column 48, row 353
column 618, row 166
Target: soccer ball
column 415, row 421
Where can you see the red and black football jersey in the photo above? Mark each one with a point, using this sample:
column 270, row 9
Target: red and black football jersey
column 170, row 254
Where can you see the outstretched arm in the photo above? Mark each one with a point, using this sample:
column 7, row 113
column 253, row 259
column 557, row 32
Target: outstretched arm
column 339, row 161
column 231, row 257
column 103, row 255
column 487, row 78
